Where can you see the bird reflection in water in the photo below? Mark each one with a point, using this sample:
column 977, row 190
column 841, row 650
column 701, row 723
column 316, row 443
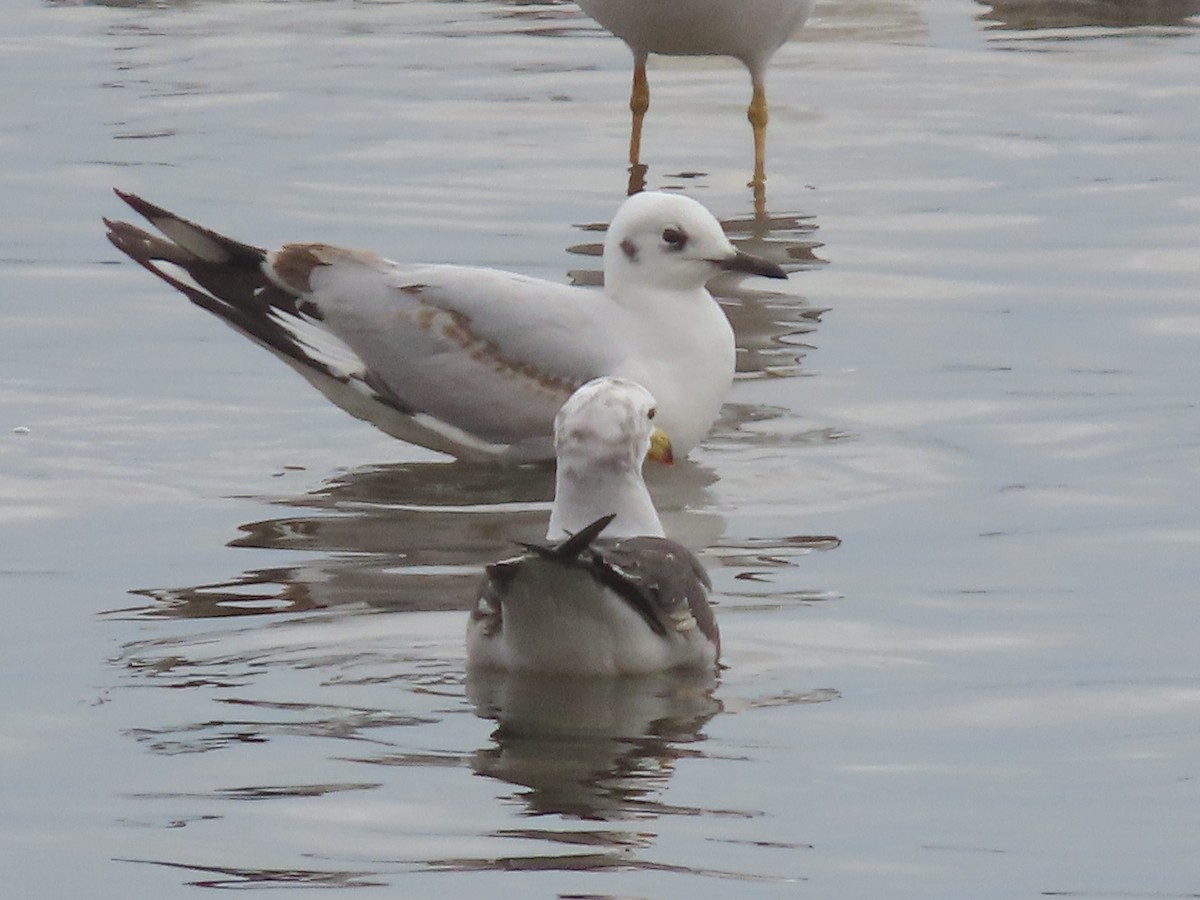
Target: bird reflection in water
column 409, row 536
column 591, row 748
column 1032, row 15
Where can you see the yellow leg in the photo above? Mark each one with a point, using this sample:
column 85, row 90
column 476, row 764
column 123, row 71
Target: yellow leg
column 760, row 203
column 637, row 180
column 639, row 102
column 757, row 114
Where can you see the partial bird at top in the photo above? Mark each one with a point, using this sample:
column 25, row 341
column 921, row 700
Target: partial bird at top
column 469, row 361
column 748, row 30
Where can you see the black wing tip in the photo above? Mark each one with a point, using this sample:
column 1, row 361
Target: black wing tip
column 130, row 240
column 582, row 539
column 155, row 214
column 141, row 207
column 238, row 252
column 111, row 229
column 574, row 544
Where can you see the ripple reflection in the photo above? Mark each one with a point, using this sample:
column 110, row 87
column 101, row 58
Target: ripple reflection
column 1031, row 15
column 591, row 748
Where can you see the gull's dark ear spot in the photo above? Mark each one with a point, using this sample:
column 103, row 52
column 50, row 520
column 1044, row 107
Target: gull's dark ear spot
column 629, row 248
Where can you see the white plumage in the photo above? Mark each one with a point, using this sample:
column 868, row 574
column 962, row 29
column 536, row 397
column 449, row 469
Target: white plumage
column 474, row 362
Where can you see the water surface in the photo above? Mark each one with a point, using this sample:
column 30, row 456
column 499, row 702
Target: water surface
column 950, row 510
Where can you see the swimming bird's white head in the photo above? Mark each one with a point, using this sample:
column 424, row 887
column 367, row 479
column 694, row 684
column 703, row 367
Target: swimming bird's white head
column 671, row 242
column 592, row 605
column 601, row 436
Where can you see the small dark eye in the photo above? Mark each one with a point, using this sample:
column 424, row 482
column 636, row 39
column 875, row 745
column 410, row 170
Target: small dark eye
column 675, row 237
column 652, row 414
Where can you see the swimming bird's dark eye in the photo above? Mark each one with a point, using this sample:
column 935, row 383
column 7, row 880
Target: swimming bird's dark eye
column 652, row 414
column 676, row 238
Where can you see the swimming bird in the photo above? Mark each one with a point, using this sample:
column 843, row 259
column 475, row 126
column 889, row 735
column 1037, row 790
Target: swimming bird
column 474, row 362
column 612, row 596
column 748, row 30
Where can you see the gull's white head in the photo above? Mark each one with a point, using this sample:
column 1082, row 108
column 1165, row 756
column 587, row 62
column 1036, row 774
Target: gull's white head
column 670, row 241
column 601, row 436
column 607, row 425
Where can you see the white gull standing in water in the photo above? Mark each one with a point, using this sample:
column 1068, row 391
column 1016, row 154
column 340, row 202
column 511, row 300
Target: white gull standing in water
column 470, row 361
column 612, row 596
column 748, row 30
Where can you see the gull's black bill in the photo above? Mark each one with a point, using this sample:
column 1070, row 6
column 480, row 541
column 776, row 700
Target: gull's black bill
column 752, row 265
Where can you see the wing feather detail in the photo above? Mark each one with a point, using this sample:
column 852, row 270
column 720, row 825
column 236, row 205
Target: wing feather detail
column 467, row 361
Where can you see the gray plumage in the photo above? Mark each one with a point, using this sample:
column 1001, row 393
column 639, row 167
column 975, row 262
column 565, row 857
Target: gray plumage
column 657, row 578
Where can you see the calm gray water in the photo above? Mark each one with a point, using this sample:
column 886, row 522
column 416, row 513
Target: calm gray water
column 951, row 514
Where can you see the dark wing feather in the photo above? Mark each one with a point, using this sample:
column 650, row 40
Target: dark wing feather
column 229, row 281
column 660, row 579
column 573, row 545
column 235, row 287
